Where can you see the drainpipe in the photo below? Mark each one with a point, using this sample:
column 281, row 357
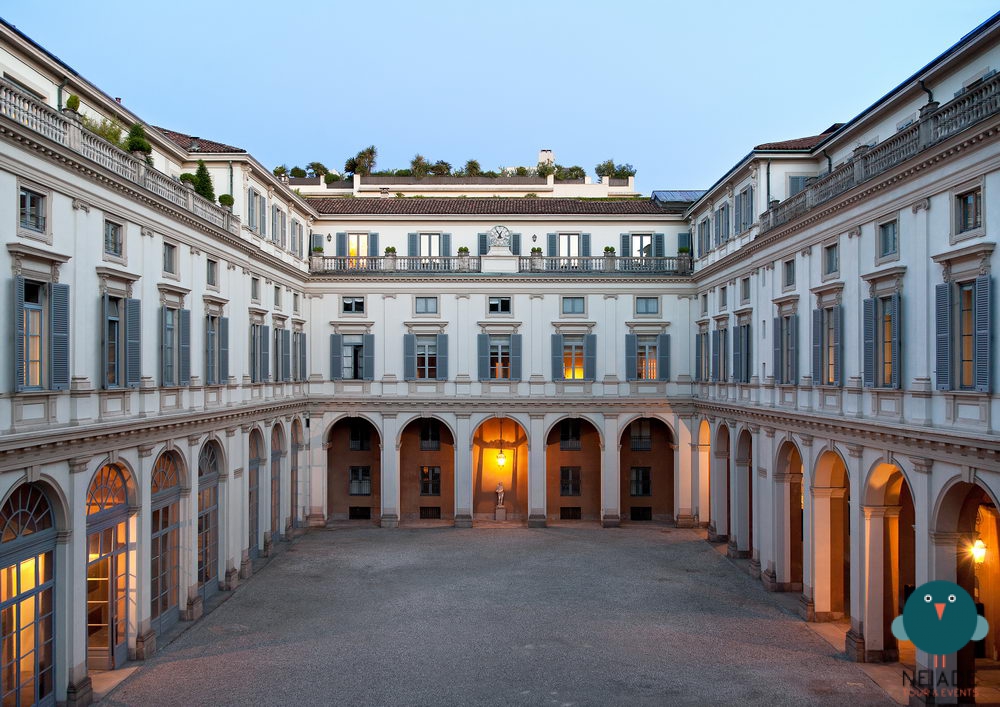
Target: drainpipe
column 930, row 94
column 231, row 179
column 59, row 92
column 768, row 182
column 829, row 161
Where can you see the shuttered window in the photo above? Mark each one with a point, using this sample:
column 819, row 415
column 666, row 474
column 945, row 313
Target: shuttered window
column 963, row 342
column 826, row 352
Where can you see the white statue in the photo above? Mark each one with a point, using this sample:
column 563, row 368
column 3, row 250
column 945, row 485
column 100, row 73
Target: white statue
column 500, row 494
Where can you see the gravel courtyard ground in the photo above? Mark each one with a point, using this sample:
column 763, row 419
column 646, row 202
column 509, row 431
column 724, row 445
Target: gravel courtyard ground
column 499, row 616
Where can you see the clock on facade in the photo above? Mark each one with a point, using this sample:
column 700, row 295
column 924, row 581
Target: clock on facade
column 500, row 236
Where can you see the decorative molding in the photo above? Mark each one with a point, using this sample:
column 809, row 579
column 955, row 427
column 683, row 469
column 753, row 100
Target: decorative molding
column 81, row 205
column 922, row 205
column 854, row 232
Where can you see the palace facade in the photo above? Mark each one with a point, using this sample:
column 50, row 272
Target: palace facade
column 798, row 359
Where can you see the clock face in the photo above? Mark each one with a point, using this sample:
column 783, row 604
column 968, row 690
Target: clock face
column 500, row 236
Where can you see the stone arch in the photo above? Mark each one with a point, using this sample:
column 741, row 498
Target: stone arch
column 831, row 537
column 646, row 469
column 790, row 498
column 665, row 419
column 419, row 416
column 354, row 447
column 573, row 469
column 376, row 423
column 720, row 458
column 582, row 416
column 487, row 473
column 426, row 447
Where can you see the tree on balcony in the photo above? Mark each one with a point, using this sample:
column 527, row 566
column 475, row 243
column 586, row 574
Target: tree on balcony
column 203, row 182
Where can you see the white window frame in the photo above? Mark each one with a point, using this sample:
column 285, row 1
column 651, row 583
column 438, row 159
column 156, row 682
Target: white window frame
column 174, row 249
column 45, row 232
column 562, row 306
column 647, row 298
column 426, row 313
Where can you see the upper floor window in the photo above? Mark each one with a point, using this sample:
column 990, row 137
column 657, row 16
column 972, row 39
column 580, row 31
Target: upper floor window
column 723, row 297
column 357, row 245
column 255, row 289
column 573, row 355
column 569, row 245
column 704, row 237
column 170, row 258
column 569, row 435
column 499, row 354
column 881, row 341
column 647, row 305
column 32, row 210
column 353, row 356
column 427, row 357
column 888, row 242
column 642, row 245
column 646, row 357
column 744, row 209
column 426, row 305
column 831, row 259
column 212, row 272
column 33, row 346
column 113, row 238
column 573, row 305
column 296, row 303
column 430, row 245
column 499, row 305
column 969, row 210
column 353, row 305
column 827, row 335
column 704, row 303
column 786, row 364
column 788, row 273
column 277, row 297
column 745, row 290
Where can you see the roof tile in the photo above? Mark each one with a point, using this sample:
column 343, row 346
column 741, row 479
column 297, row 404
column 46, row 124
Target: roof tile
column 198, row 144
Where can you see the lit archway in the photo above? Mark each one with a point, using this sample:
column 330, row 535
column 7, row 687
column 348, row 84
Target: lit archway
column 705, row 510
column 500, row 456
column 646, row 463
column 573, row 470
column 427, row 471
column 165, row 536
column 831, row 525
column 353, row 468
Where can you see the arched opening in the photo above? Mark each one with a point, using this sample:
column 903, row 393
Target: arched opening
column 573, row 471
column 427, row 471
column 742, row 544
column 165, row 547
column 646, row 463
column 108, row 568
column 209, row 469
column 257, row 457
column 293, row 484
column 968, row 518
column 705, row 515
column 786, row 576
column 500, row 456
column 831, row 525
column 353, row 468
column 890, row 559
column 720, row 528
column 277, row 454
column 27, row 597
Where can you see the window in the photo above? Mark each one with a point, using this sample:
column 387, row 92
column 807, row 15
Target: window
column 831, row 259
column 786, row 368
column 573, row 305
column 744, row 210
column 826, row 345
column 212, row 273
column 299, row 370
column 723, row 297
column 569, row 481
column 642, row 245
column 569, row 435
column 969, row 211
column 796, row 184
column 966, row 335
column 573, row 355
column 32, row 210
column 702, row 355
column 353, row 356
column 499, row 357
column 742, row 349
column 788, row 273
column 430, row 435
column 360, row 436
column 360, row 481
column 745, row 290
column 641, row 434
column 888, row 242
column 170, row 344
column 640, row 481
column 647, row 305
column 720, row 351
column 704, row 237
column 215, row 369
column 646, row 358
column 353, row 305
column 277, row 297
column 569, row 245
column 427, row 357
column 430, row 245
column 430, row 481
column 881, row 341
column 34, row 348
column 704, row 303
column 499, row 305
column 357, row 245
column 296, row 303
column 113, row 239
column 114, row 342
column 255, row 289
column 426, row 305
column 170, row 258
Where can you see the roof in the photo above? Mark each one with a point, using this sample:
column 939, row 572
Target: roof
column 197, row 144
column 486, row 205
column 684, row 195
column 801, row 143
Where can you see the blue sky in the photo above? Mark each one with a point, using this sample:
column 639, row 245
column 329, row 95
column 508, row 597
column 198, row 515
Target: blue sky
column 679, row 90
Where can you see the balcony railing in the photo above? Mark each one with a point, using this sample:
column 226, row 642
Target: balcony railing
column 403, row 263
column 67, row 130
column 936, row 124
column 680, row 264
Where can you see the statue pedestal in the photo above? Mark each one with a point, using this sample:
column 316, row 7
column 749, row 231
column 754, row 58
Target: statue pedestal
column 501, row 513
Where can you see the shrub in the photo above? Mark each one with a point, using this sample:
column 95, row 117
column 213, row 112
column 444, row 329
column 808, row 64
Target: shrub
column 531, row 195
column 317, row 249
column 104, row 128
column 472, row 168
column 187, row 177
column 330, row 178
column 136, row 140
column 536, row 251
column 73, row 102
column 226, row 199
column 683, row 250
column 390, row 250
column 203, row 182
column 544, row 169
column 280, row 171
column 297, row 172
column 609, row 250
column 463, row 250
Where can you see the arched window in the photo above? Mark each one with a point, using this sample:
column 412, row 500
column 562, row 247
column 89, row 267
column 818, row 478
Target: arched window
column 107, row 491
column 27, row 586
column 164, row 553
column 209, row 467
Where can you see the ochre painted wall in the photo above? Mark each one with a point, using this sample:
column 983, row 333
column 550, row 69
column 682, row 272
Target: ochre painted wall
column 588, row 458
column 340, row 458
column 660, row 460
column 411, row 458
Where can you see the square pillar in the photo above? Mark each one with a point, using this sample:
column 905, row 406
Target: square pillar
column 390, row 471
column 536, row 472
column 316, row 471
column 685, row 473
column 463, row 471
column 610, row 474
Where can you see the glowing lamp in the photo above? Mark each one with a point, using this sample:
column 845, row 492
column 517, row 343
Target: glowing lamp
column 979, row 552
column 501, row 458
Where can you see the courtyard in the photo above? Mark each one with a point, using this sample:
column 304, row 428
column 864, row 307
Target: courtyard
column 568, row 615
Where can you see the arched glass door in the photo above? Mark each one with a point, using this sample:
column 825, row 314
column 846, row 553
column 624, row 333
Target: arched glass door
column 277, row 451
column 165, row 542
column 208, row 519
column 253, row 491
column 27, row 585
column 107, row 568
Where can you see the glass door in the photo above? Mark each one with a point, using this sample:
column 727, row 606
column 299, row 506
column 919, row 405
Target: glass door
column 107, row 591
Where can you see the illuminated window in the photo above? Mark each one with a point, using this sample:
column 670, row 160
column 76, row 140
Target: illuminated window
column 499, row 357
column 966, row 336
column 573, row 357
column 34, row 319
column 357, row 245
column 646, row 357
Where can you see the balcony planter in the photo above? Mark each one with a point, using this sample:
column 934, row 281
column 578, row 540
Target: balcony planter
column 462, row 265
column 389, row 262
column 537, row 264
column 609, row 259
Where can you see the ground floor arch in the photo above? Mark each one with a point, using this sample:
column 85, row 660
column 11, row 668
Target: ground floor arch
column 741, row 538
column 704, row 461
column 354, row 462
column 573, row 470
column 831, row 539
column 500, row 456
column 426, row 471
column 789, row 521
column 721, row 486
column 646, row 470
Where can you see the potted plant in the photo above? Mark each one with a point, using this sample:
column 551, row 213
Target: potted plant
column 73, row 103
column 226, row 201
column 463, row 258
column 390, row 257
column 536, row 258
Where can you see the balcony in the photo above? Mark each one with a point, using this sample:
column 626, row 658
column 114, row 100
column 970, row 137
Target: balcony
column 936, row 124
column 675, row 265
column 361, row 265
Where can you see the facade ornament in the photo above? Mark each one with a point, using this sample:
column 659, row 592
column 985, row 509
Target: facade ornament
column 855, row 450
column 81, row 205
column 922, row 465
column 146, row 231
column 807, row 440
column 922, row 205
column 854, row 232
column 984, row 263
column 195, row 251
column 806, row 252
column 146, row 450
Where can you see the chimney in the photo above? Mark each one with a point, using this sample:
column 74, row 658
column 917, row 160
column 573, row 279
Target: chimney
column 118, row 99
column 194, row 145
column 546, row 157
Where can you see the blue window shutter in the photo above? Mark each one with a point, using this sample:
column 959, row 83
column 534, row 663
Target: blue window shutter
column 373, row 244
column 105, row 334
column 631, row 357
column 982, row 344
column 868, row 347
column 817, row 347
column 715, row 355
column 697, row 356
column 368, row 363
column 749, row 210
column 585, row 245
column 942, row 315
column 210, row 373
column 484, row 243
column 442, row 357
column 303, row 371
column 738, row 212
column 163, row 347
column 897, row 363
column 409, row 357
column 659, row 248
column 133, row 342
column 515, row 243
column 590, row 357
column 412, row 244
column 793, row 348
column 515, row 357
column 265, row 349
column 738, row 354
column 483, row 356
column 18, row 333
column 684, row 241
column 557, row 358
column 838, row 346
column 663, row 357
column 286, row 355
column 185, row 346
column 778, row 371
column 59, row 336
column 341, row 244
column 747, row 354
column 626, row 245
column 336, row 357
column 446, row 245
column 223, row 350
column 553, row 244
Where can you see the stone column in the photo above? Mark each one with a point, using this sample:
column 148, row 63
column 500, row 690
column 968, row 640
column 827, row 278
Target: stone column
column 776, row 572
column 228, row 549
column 145, row 639
column 536, row 472
column 463, row 471
column 316, row 469
column 238, row 506
column 390, row 471
column 74, row 549
column 610, row 473
column 685, row 473
column 718, row 530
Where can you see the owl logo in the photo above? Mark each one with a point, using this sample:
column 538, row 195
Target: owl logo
column 940, row 618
